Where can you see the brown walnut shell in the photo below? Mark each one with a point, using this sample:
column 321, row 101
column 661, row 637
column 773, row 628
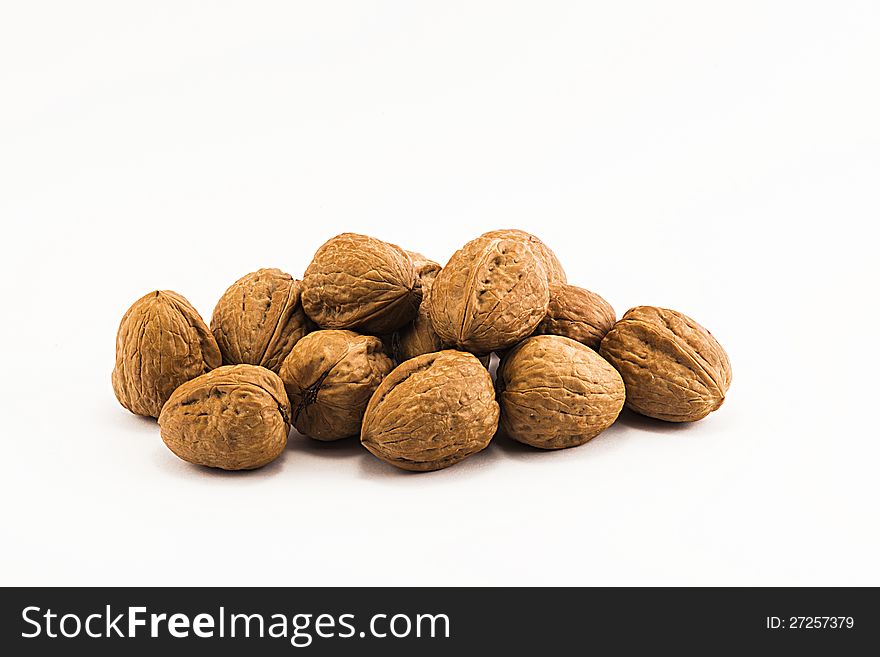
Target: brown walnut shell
column 259, row 319
column 162, row 342
column 236, row 417
column 431, row 412
column 359, row 282
column 556, row 393
column 329, row 377
column 673, row 368
column 492, row 293
column 578, row 314
column 418, row 336
column 555, row 272
column 425, row 267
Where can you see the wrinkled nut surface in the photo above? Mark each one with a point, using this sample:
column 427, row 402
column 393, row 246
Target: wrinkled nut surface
column 329, row 377
column 359, row 282
column 492, row 293
column 431, row 412
column 673, row 368
column 418, row 336
column 556, row 393
column 161, row 343
column 578, row 314
column 259, row 319
column 555, row 272
column 236, row 417
column 425, row 267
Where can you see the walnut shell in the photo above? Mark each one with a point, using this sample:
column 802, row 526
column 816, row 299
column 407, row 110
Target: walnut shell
column 359, row 282
column 329, row 377
column 555, row 272
column 673, row 368
column 578, row 314
column 236, row 417
column 426, row 269
column 492, row 293
column 161, row 343
column 418, row 336
column 259, row 319
column 556, row 393
column 431, row 412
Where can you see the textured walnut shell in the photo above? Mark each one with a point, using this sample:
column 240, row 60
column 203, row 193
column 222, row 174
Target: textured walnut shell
column 259, row 319
column 556, row 393
column 359, row 282
column 161, row 343
column 426, row 269
column 578, row 314
column 418, row 336
column 673, row 368
column 492, row 293
column 431, row 412
column 555, row 272
column 329, row 377
column 236, row 417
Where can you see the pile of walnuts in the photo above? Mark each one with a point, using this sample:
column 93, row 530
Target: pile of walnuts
column 384, row 344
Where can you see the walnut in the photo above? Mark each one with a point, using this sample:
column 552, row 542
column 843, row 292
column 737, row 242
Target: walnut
column 431, row 412
column 556, row 393
column 236, row 417
column 673, row 368
column 259, row 319
column 492, row 293
column 418, row 336
column 329, row 377
column 426, row 269
column 161, row 343
column 359, row 282
column 578, row 314
column 555, row 272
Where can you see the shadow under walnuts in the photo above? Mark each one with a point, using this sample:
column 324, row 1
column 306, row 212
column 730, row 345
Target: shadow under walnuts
column 501, row 447
column 510, row 448
column 632, row 420
column 330, row 449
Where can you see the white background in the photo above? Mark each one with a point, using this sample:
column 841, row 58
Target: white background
column 723, row 160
